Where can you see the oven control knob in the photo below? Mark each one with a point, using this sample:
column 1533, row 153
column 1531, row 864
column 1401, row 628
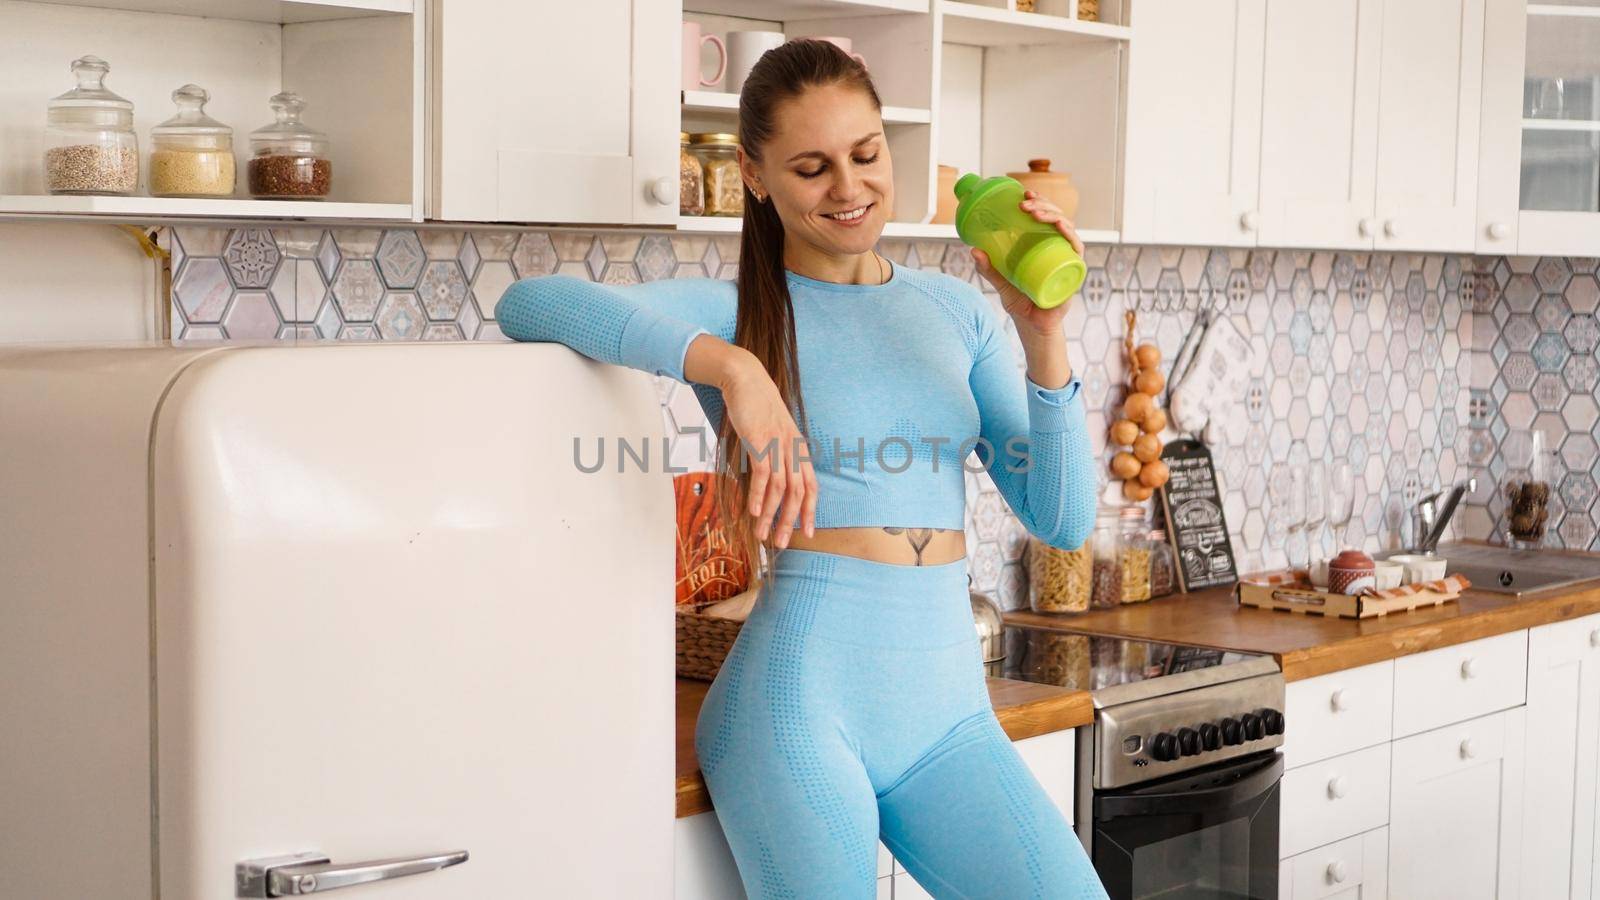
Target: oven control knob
column 1164, row 747
column 1272, row 719
column 1254, row 728
column 1232, row 731
column 1188, row 741
column 1210, row 736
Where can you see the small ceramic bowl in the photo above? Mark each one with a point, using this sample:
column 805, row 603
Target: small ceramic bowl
column 1388, row 574
column 1420, row 568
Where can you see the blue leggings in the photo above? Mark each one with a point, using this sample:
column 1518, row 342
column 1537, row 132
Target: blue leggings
column 853, row 708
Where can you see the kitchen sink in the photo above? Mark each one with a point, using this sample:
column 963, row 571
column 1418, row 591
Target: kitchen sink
column 1505, row 571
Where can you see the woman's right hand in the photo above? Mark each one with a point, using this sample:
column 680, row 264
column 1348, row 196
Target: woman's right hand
column 780, row 472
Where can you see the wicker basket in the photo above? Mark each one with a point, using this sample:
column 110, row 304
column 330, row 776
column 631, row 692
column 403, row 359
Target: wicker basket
column 1024, row 5
column 703, row 642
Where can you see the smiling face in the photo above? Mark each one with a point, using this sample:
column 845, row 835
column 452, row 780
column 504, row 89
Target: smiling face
column 826, row 170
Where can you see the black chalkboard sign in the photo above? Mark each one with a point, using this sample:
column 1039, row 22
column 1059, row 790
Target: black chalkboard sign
column 1192, row 508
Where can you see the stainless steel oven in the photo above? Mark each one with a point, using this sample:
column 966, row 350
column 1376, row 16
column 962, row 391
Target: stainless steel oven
column 1178, row 778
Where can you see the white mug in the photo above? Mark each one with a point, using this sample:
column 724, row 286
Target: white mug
column 843, row 43
column 744, row 48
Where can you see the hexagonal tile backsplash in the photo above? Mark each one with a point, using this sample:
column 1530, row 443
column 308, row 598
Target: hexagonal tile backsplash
column 1413, row 368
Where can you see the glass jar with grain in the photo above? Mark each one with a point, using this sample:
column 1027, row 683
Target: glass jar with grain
column 1135, row 555
column 720, row 164
column 89, row 143
column 289, row 159
column 1105, row 545
column 691, row 181
column 1058, row 580
column 1163, row 565
column 191, row 154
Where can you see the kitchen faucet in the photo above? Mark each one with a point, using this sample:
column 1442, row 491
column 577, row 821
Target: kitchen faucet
column 1429, row 519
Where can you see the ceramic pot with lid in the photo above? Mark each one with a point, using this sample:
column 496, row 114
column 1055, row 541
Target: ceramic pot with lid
column 1057, row 187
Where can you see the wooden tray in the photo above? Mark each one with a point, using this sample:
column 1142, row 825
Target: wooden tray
column 1300, row 597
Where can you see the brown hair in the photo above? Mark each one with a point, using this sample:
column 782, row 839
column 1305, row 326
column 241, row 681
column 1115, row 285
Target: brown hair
column 765, row 324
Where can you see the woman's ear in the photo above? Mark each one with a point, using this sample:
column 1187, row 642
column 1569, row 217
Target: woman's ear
column 751, row 175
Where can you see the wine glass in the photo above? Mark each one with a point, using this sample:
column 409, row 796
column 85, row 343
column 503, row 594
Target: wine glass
column 1288, row 489
column 1316, row 501
column 1341, row 502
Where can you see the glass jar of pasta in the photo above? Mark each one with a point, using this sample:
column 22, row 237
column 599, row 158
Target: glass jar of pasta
column 719, row 164
column 1135, row 555
column 1058, row 580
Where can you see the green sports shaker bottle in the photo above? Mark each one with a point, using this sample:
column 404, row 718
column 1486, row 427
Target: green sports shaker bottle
column 1030, row 254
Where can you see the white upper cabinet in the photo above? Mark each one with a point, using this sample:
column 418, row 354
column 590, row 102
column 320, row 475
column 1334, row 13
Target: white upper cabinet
column 1194, row 123
column 1428, row 114
column 555, row 112
column 1319, row 123
column 1539, row 174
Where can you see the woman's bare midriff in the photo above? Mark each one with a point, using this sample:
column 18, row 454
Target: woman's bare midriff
column 902, row 546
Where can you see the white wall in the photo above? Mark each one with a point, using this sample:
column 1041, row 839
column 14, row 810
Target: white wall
column 74, row 282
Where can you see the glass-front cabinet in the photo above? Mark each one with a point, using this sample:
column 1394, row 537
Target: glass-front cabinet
column 1539, row 176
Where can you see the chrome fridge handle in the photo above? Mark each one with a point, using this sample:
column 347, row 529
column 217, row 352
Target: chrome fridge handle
column 312, row 872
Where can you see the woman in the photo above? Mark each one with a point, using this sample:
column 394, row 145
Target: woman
column 853, row 705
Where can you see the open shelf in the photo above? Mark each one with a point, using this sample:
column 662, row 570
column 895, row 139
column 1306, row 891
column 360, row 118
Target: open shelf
column 1560, row 125
column 724, row 102
column 176, row 208
column 912, row 230
column 279, row 12
column 786, row 10
column 993, row 26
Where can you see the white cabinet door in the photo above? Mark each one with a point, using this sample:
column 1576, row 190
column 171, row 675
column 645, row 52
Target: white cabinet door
column 555, row 112
column 704, row 866
column 1194, row 123
column 1050, row 757
column 1319, row 123
column 1428, row 112
column 1456, row 810
column 1558, row 828
column 1500, row 121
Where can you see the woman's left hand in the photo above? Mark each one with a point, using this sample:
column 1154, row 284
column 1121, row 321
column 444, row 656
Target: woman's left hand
column 1016, row 303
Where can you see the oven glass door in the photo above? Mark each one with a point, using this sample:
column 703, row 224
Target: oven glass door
column 1202, row 835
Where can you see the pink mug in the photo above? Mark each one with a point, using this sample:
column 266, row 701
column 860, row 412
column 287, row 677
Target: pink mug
column 843, row 43
column 692, row 41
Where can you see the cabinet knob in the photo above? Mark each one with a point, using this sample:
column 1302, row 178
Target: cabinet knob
column 664, row 190
column 1340, row 701
column 1391, row 228
column 1250, row 221
column 1469, row 668
column 1338, row 872
column 1364, row 227
column 1499, row 230
column 1594, row 638
column 1467, row 750
column 1336, row 788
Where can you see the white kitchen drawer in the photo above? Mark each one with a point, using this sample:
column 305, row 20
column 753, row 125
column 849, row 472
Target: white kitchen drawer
column 1051, row 757
column 1356, row 868
column 1337, row 713
column 1453, row 684
column 1334, row 799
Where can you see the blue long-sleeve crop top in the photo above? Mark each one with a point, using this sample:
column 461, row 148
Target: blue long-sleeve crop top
column 901, row 380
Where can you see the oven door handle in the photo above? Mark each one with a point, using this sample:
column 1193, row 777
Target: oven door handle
column 1254, row 784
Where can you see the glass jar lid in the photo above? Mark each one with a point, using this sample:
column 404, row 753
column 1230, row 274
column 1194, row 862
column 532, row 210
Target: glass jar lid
column 191, row 118
column 714, row 139
column 288, row 132
column 91, row 90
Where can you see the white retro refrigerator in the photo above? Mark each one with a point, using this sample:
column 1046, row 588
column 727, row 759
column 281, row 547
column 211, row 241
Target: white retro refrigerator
column 336, row 618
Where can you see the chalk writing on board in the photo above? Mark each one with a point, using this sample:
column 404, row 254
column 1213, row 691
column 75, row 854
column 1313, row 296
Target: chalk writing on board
column 1196, row 527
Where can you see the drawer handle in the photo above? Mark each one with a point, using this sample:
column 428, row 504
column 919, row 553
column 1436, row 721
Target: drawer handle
column 1594, row 638
column 1467, row 751
column 1469, row 668
column 1338, row 872
column 1336, row 788
column 1340, row 701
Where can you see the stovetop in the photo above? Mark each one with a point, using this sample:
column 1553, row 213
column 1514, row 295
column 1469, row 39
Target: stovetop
column 1160, row 708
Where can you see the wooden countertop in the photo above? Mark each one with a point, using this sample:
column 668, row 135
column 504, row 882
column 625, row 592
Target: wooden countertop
column 1024, row 710
column 1307, row 646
